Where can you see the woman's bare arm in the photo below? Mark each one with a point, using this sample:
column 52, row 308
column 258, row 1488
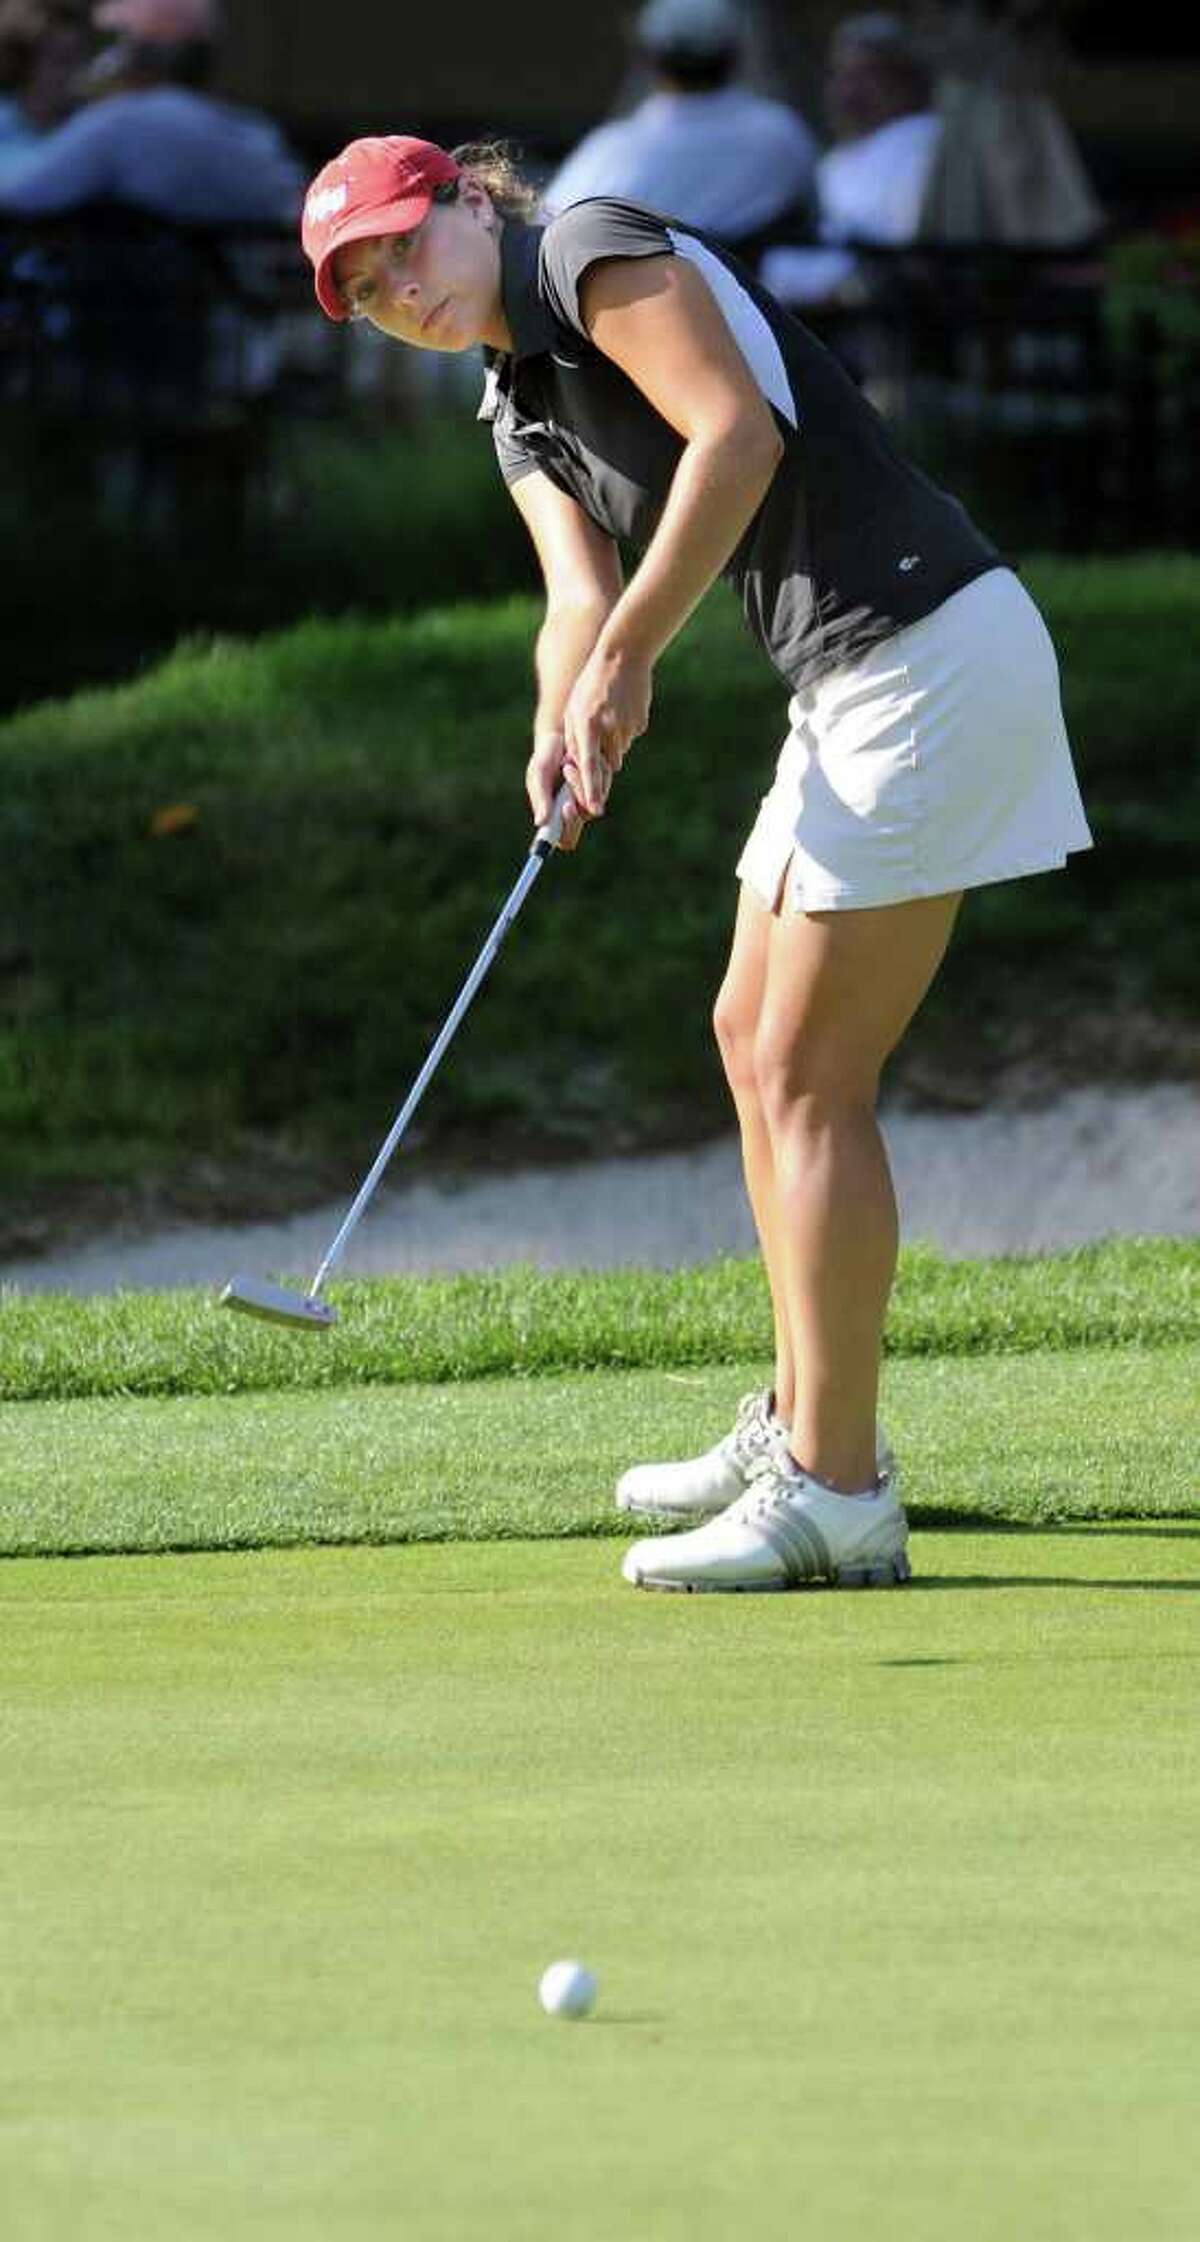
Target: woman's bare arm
column 655, row 318
column 581, row 569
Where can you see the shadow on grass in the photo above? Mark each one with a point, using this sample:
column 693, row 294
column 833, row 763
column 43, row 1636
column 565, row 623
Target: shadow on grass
column 930, row 1519
column 612, row 1529
column 926, row 1662
column 1100, row 1529
column 1043, row 1580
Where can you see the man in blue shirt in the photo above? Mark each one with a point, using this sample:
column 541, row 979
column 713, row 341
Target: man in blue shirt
column 154, row 139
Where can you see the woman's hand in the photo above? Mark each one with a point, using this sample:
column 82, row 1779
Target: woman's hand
column 544, row 774
column 608, row 709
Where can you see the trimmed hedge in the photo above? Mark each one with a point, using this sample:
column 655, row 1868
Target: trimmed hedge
column 241, row 894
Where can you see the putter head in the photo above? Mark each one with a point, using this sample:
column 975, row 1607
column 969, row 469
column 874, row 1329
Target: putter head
column 253, row 1296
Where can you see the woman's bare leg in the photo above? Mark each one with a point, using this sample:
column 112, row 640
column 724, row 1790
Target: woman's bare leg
column 840, row 989
column 735, row 1019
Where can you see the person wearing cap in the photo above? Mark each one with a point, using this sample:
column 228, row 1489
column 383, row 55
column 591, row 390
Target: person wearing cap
column 700, row 146
column 644, row 389
column 150, row 136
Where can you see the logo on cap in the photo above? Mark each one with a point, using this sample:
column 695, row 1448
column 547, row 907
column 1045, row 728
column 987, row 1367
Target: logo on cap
column 326, row 204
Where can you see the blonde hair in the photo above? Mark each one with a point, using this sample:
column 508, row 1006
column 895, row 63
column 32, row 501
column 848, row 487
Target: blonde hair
column 494, row 165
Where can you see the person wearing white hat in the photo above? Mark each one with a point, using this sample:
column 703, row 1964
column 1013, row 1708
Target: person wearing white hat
column 700, row 147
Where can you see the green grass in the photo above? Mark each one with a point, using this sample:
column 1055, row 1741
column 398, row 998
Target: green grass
column 223, row 1010
column 1140, row 1292
column 891, row 1898
column 1033, row 1439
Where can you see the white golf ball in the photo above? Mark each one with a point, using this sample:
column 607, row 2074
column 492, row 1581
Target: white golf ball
column 567, row 1989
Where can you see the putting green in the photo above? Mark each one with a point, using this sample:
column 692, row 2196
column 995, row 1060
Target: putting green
column 891, row 1898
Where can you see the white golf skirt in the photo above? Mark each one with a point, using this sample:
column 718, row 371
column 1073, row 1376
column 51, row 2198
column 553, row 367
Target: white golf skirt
column 938, row 761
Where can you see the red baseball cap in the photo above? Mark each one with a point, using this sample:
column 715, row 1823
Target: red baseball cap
column 380, row 186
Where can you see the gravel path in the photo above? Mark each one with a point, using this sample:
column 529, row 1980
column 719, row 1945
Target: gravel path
column 1091, row 1164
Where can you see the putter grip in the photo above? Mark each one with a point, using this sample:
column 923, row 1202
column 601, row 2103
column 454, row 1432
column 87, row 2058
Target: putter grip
column 548, row 835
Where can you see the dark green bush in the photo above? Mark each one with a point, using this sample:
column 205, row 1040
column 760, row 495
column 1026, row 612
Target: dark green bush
column 328, row 522
column 240, row 895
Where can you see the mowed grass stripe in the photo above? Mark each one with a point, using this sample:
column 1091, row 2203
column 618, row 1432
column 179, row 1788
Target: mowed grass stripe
column 1023, row 1440
column 1141, row 1292
column 888, row 1898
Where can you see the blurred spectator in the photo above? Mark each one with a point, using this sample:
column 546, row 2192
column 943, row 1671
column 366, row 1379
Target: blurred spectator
column 146, row 319
column 871, row 184
column 700, row 147
column 43, row 50
column 151, row 137
column 1006, row 167
column 941, row 135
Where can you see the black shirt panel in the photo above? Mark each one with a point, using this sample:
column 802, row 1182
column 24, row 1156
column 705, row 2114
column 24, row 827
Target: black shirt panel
column 562, row 407
column 851, row 542
column 598, row 229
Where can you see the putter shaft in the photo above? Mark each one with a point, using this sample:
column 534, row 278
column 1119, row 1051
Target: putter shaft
column 544, row 841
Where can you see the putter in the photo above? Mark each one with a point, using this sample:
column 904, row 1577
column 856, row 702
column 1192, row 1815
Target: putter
column 254, row 1296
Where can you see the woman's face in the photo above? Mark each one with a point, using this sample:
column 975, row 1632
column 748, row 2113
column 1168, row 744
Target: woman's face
column 438, row 286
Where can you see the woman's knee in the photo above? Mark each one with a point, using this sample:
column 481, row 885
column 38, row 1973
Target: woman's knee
column 734, row 1027
column 813, row 1076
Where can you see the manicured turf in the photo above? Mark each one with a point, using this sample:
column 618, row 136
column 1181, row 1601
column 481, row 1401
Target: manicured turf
column 1020, row 1439
column 1141, row 1292
column 892, row 1898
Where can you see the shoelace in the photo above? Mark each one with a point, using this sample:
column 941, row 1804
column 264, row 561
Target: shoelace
column 769, row 1486
column 754, row 1438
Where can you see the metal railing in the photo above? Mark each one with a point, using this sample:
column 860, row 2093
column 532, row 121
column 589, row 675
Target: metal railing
column 186, row 346
column 1002, row 368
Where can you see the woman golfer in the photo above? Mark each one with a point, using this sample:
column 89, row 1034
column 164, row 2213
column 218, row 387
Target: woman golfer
column 642, row 387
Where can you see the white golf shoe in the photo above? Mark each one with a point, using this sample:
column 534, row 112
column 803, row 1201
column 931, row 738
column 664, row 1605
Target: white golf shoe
column 703, row 1486
column 784, row 1531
